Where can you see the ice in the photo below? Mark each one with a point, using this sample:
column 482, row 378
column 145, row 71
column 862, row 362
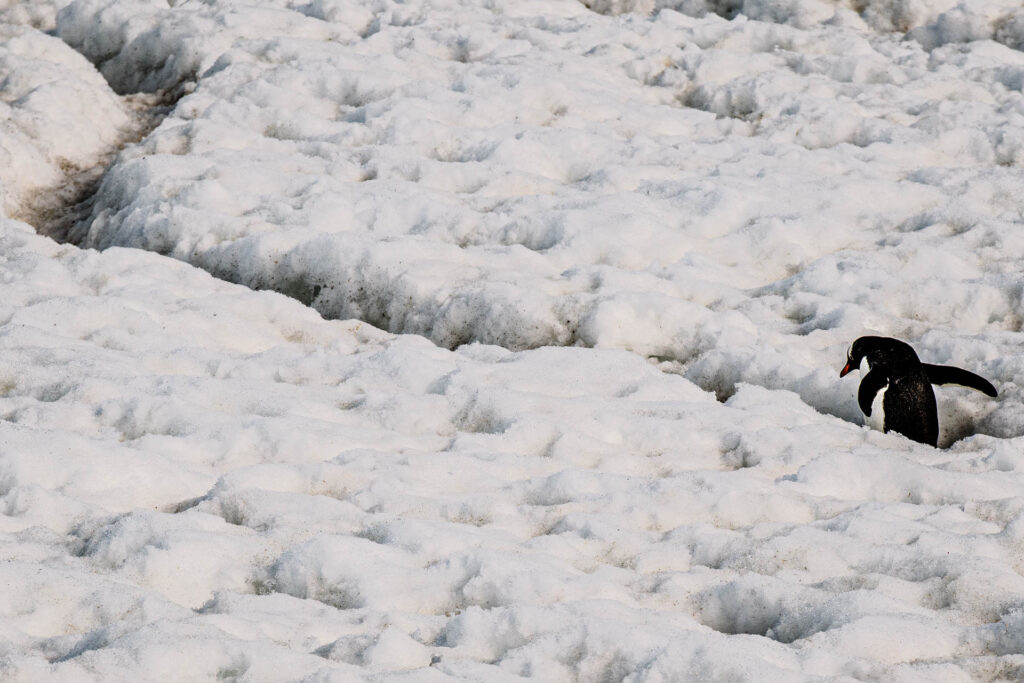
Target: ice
column 546, row 384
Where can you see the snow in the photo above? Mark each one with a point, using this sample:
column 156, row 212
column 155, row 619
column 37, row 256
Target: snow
column 40, row 137
column 546, row 384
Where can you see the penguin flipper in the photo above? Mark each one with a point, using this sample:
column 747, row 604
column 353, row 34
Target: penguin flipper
column 947, row 374
column 872, row 383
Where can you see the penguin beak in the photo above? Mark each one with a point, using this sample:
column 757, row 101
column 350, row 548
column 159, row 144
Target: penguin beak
column 845, row 370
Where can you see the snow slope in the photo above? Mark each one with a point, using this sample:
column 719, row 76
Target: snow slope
column 616, row 258
column 527, row 174
column 203, row 481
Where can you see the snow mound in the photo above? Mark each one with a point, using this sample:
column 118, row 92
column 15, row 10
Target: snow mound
column 58, row 118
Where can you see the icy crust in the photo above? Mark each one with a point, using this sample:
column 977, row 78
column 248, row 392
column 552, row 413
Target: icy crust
column 527, row 174
column 199, row 481
column 57, row 117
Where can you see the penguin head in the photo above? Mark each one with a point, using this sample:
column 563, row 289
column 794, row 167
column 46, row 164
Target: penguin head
column 893, row 355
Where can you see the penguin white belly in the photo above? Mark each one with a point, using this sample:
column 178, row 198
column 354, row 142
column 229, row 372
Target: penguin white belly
column 876, row 420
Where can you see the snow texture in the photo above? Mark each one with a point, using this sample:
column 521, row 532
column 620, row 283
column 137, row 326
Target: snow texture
column 41, row 138
column 547, row 385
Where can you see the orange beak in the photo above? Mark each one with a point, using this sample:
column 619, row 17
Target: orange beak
column 846, row 369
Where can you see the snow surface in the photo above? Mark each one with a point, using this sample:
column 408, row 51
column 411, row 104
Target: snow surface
column 41, row 137
column 548, row 386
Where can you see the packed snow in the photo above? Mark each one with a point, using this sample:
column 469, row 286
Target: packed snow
column 546, row 384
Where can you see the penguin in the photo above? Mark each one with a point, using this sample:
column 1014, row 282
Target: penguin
column 896, row 391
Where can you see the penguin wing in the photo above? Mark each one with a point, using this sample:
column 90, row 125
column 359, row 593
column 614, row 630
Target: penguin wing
column 872, row 383
column 947, row 374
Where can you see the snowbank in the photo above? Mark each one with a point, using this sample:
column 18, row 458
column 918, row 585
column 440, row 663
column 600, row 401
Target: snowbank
column 58, row 118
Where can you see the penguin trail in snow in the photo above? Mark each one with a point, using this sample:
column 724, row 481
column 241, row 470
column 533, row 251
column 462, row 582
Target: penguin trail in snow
column 896, row 391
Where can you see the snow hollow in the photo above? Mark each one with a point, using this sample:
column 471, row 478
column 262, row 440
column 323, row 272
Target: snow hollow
column 495, row 339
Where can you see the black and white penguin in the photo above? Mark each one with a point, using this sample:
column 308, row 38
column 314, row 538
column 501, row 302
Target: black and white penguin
column 896, row 390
